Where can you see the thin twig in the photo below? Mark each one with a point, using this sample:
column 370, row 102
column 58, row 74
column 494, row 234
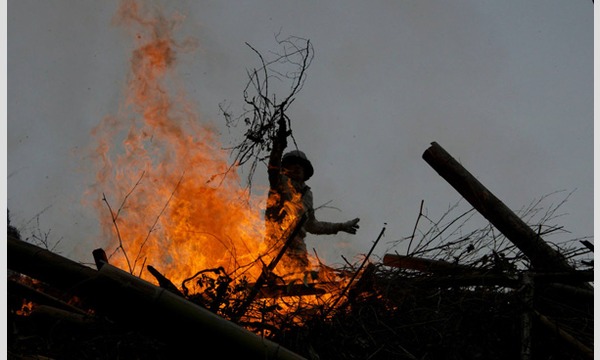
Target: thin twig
column 114, row 221
column 343, row 293
column 156, row 220
column 415, row 228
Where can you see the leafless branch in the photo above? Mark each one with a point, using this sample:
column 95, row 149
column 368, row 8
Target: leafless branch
column 263, row 109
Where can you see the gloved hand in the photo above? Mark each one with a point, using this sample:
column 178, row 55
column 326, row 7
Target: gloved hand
column 350, row 226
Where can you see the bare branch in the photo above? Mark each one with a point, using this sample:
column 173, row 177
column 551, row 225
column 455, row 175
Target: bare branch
column 259, row 119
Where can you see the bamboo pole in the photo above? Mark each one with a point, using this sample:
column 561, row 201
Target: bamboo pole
column 565, row 336
column 45, row 265
column 178, row 320
column 540, row 254
column 144, row 306
column 427, row 265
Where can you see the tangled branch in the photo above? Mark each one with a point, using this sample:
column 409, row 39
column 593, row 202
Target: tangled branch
column 263, row 109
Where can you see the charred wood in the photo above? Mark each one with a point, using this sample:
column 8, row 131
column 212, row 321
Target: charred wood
column 163, row 282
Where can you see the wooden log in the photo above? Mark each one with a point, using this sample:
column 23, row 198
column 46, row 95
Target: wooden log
column 426, row 265
column 568, row 277
column 565, row 336
column 44, row 265
column 540, row 254
column 574, row 293
column 137, row 303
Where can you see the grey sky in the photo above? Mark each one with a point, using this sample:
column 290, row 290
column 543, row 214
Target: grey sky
column 506, row 87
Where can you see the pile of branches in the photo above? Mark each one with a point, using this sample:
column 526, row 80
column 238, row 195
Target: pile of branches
column 458, row 294
column 468, row 292
column 443, row 311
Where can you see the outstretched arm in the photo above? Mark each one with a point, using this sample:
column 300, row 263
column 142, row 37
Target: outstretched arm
column 315, row 226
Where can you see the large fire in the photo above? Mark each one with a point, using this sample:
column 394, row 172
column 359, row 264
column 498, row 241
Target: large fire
column 162, row 195
column 162, row 170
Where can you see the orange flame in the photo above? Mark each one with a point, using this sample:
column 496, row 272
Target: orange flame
column 160, row 193
column 167, row 208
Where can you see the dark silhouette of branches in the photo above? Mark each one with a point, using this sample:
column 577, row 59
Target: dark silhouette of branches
column 263, row 108
column 461, row 236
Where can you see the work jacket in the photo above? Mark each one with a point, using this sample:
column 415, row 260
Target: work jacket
column 290, row 190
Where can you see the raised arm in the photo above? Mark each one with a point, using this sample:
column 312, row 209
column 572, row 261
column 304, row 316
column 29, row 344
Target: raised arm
column 279, row 144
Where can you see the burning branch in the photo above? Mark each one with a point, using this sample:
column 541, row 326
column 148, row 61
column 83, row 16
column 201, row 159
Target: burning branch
column 114, row 221
column 114, row 218
column 266, row 273
column 156, row 221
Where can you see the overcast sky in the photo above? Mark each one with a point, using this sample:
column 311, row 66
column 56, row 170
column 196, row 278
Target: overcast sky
column 506, row 87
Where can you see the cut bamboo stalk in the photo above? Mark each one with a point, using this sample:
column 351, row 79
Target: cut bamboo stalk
column 140, row 304
column 426, row 265
column 564, row 335
column 46, row 266
column 178, row 320
column 57, row 315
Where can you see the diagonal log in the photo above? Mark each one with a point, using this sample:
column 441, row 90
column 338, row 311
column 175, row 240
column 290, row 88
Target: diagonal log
column 540, row 254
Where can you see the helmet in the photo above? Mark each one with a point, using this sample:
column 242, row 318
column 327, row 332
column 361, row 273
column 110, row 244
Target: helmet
column 298, row 157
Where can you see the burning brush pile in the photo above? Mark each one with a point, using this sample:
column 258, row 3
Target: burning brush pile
column 186, row 273
column 458, row 294
column 473, row 296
